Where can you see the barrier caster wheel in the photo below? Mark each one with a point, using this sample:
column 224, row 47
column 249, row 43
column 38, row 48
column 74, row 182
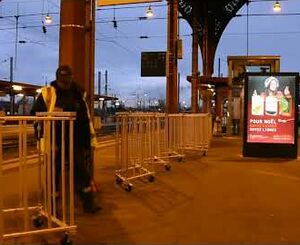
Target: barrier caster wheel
column 128, row 188
column 151, row 178
column 38, row 220
column 66, row 240
column 168, row 167
column 179, row 159
column 119, row 180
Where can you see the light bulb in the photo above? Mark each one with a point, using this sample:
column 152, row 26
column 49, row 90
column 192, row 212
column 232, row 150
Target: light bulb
column 149, row 12
column 48, row 19
column 17, row 87
column 277, row 6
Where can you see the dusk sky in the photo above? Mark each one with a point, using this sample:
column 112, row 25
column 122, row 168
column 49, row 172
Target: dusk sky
column 118, row 50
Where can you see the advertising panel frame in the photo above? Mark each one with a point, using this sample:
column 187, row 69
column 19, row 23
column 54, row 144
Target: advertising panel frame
column 257, row 149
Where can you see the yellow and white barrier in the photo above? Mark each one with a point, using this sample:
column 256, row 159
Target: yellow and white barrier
column 197, row 132
column 31, row 203
column 146, row 139
column 134, row 148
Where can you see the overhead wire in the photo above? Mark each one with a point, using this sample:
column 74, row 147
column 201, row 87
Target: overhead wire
column 117, row 44
column 54, row 4
column 106, row 22
column 97, row 9
column 107, row 8
column 125, row 36
column 225, row 34
column 263, row 33
column 112, row 63
column 138, row 19
column 144, row 36
column 24, row 1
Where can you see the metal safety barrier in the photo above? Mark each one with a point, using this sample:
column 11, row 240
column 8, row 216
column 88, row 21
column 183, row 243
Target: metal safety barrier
column 160, row 140
column 197, row 132
column 188, row 132
column 134, row 148
column 30, row 205
column 144, row 140
column 175, row 136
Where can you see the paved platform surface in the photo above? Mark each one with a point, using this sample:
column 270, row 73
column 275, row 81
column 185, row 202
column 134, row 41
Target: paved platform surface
column 221, row 198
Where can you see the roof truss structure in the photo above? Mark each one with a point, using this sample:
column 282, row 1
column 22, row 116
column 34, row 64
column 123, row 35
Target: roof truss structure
column 212, row 17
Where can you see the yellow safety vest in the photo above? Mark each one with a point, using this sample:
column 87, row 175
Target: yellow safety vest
column 49, row 96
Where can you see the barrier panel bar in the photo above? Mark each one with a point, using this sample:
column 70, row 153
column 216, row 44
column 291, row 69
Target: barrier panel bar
column 71, row 171
column 63, row 182
column 1, row 184
column 53, row 164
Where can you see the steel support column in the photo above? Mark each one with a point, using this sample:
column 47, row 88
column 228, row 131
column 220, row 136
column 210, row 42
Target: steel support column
column 229, row 108
column 208, row 48
column 195, row 73
column 77, row 42
column 172, row 82
column 205, row 55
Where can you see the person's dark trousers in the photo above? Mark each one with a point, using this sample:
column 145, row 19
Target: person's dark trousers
column 81, row 172
column 82, row 176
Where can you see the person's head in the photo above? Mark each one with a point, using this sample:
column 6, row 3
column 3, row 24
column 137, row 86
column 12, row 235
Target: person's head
column 64, row 77
column 272, row 83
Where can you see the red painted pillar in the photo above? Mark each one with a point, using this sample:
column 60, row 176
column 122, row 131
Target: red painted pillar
column 172, row 79
column 77, row 42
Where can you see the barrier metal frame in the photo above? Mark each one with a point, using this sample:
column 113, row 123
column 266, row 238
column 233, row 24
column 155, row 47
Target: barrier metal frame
column 46, row 212
column 161, row 143
column 134, row 148
column 144, row 139
column 197, row 132
column 175, row 136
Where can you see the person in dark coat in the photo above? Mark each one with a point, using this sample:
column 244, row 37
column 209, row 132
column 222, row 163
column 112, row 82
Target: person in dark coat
column 65, row 95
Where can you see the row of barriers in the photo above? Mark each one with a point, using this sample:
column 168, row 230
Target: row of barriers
column 29, row 204
column 144, row 140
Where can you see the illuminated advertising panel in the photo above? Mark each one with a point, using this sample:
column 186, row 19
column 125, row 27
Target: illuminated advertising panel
column 271, row 110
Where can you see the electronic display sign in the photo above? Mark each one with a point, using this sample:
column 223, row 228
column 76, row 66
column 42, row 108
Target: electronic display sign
column 153, row 64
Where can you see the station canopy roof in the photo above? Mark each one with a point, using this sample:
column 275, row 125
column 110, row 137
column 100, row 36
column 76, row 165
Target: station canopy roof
column 209, row 18
column 104, row 97
column 217, row 13
column 25, row 88
column 32, row 90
